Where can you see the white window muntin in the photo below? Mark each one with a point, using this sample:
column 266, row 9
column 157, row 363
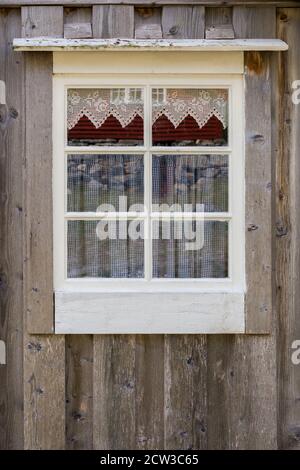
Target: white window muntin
column 234, row 150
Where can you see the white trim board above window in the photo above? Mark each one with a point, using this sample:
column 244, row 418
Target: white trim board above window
column 161, row 45
column 149, row 299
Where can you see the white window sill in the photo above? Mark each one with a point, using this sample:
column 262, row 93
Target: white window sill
column 149, row 313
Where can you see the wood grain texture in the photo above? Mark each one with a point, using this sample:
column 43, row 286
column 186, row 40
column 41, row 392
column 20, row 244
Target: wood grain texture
column 242, row 369
column 241, row 392
column 185, row 392
column 11, row 215
column 113, row 21
column 42, row 21
column 183, row 22
column 288, row 232
column 79, row 392
column 216, row 16
column 258, row 167
column 147, row 23
column 149, row 373
column 38, row 265
column 78, row 23
column 44, row 392
column 114, row 392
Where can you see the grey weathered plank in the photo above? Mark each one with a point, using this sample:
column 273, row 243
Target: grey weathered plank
column 218, row 23
column 242, row 392
column 248, row 23
column 221, row 31
column 288, row 232
column 79, row 392
column 183, row 22
column 242, row 369
column 11, row 253
column 149, row 373
column 44, row 357
column 219, row 15
column 78, row 23
column 38, row 244
column 147, row 23
column 111, row 21
column 42, row 21
column 185, row 392
column 44, row 392
column 114, row 392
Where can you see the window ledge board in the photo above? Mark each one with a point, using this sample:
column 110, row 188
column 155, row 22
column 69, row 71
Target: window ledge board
column 61, row 44
column 149, row 313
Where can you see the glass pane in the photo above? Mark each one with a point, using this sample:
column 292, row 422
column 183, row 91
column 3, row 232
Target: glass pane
column 188, row 180
column 189, row 117
column 105, row 116
column 94, row 180
column 103, row 249
column 187, row 250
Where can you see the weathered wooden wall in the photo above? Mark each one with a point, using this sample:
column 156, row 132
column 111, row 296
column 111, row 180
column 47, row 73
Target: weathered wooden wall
column 160, row 391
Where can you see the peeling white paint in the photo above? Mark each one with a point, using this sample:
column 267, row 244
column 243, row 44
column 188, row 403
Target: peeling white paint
column 2, row 353
column 2, row 92
column 62, row 44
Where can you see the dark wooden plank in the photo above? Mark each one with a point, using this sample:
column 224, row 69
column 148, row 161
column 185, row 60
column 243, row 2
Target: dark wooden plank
column 149, row 373
column 42, row 21
column 79, row 392
column 114, row 392
column 185, row 392
column 113, row 21
column 147, row 23
column 288, row 232
column 38, row 266
column 44, row 392
column 242, row 369
column 11, row 215
column 183, row 22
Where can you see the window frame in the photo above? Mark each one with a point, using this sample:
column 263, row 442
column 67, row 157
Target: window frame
column 234, row 150
column 116, row 306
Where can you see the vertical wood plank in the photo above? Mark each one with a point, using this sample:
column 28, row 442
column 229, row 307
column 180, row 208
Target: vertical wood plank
column 44, row 358
column 147, row 23
column 149, row 374
column 258, row 168
column 254, row 22
column 114, row 392
column 183, row 22
column 185, row 392
column 38, row 264
column 242, row 369
column 79, row 392
column 218, row 15
column 11, row 216
column 78, row 23
column 42, row 21
column 288, row 232
column 218, row 23
column 44, row 392
column 113, row 21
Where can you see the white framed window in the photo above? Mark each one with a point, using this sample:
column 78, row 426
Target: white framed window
column 148, row 185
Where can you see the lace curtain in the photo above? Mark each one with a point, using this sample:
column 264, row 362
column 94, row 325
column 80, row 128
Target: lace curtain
column 175, row 104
